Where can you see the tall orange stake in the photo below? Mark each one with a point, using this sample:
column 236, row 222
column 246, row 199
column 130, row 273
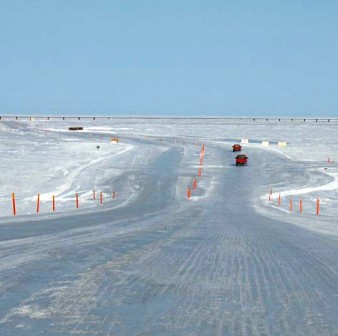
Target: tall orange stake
column 317, row 207
column 38, row 204
column 290, row 204
column 53, row 203
column 199, row 172
column 101, row 197
column 279, row 200
column 189, row 193
column 300, row 205
column 194, row 184
column 77, row 200
column 13, row 204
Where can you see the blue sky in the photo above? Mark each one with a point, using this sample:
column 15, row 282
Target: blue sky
column 169, row 58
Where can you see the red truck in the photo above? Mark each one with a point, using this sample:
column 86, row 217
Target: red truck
column 241, row 160
column 236, row 148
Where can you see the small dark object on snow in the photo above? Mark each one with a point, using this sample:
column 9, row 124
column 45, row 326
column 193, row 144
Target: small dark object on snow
column 75, row 128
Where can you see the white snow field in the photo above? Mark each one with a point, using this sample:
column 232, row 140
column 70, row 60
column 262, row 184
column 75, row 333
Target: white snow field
column 150, row 261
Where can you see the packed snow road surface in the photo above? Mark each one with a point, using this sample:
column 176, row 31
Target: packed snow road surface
column 161, row 264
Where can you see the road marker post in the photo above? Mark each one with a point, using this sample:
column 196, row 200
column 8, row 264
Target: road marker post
column 188, row 193
column 38, row 203
column 77, row 200
column 13, row 204
column 301, row 206
column 53, row 203
column 290, row 204
column 279, row 200
column 101, row 197
column 194, row 184
column 317, row 206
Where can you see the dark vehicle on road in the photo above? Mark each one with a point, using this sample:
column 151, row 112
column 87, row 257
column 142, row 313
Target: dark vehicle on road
column 241, row 160
column 236, row 148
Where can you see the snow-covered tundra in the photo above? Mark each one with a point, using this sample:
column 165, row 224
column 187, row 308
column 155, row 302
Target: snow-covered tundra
column 122, row 250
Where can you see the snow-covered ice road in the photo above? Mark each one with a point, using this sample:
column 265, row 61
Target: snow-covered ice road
column 165, row 265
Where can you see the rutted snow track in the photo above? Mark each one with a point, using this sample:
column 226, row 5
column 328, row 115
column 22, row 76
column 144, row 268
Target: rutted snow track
column 167, row 266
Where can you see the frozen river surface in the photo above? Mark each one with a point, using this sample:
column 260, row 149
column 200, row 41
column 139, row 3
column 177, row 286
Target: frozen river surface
column 155, row 263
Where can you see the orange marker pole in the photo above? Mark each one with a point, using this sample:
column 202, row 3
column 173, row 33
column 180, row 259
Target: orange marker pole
column 300, row 205
column 13, row 204
column 279, row 200
column 101, row 198
column 290, row 204
column 318, row 207
column 199, row 172
column 195, row 184
column 38, row 204
column 189, row 193
column 77, row 200
column 53, row 203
